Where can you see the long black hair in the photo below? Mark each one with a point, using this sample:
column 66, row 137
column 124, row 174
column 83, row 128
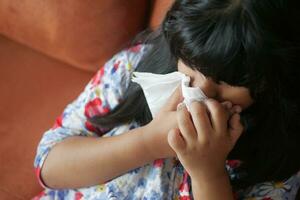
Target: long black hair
column 250, row 43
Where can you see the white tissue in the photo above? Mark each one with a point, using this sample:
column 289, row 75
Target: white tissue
column 159, row 87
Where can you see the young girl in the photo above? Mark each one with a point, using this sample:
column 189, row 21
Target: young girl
column 240, row 143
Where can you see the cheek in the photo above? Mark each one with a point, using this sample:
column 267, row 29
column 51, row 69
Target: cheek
column 244, row 101
column 238, row 96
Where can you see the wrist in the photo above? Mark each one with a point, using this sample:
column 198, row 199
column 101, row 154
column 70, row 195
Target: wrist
column 156, row 142
column 204, row 187
column 147, row 142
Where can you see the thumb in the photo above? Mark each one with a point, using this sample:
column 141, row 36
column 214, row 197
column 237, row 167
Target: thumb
column 174, row 100
column 236, row 128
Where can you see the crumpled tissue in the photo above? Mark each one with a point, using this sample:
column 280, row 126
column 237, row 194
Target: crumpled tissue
column 159, row 87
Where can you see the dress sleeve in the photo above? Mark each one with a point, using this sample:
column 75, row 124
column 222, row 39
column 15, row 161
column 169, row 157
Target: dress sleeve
column 101, row 95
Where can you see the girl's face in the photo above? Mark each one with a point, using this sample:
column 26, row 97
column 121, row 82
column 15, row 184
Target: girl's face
column 221, row 92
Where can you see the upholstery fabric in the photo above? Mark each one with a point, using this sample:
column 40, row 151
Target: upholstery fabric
column 49, row 50
column 81, row 33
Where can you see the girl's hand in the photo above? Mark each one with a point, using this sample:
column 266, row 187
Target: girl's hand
column 205, row 137
column 156, row 132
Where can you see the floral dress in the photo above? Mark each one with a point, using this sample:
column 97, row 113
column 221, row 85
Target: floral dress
column 162, row 179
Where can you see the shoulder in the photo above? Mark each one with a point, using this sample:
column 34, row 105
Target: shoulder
column 111, row 81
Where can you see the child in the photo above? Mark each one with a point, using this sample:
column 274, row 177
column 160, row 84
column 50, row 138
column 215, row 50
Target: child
column 244, row 56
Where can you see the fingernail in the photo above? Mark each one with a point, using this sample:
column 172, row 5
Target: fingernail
column 228, row 104
column 180, row 106
column 238, row 109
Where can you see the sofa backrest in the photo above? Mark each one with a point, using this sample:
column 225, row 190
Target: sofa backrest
column 81, row 33
column 159, row 9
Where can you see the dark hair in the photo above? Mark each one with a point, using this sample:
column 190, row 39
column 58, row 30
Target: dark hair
column 250, row 43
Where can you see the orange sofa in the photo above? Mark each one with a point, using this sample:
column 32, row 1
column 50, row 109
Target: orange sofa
column 49, row 50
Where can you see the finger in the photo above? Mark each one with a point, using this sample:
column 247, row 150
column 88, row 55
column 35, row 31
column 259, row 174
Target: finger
column 227, row 104
column 228, row 107
column 176, row 141
column 237, row 109
column 219, row 116
column 235, row 127
column 174, row 100
column 200, row 119
column 185, row 124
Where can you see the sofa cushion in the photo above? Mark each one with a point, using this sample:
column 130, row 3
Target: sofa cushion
column 34, row 90
column 80, row 33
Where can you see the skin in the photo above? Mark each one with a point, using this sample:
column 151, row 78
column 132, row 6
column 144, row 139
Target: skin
column 238, row 96
column 207, row 134
column 201, row 140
